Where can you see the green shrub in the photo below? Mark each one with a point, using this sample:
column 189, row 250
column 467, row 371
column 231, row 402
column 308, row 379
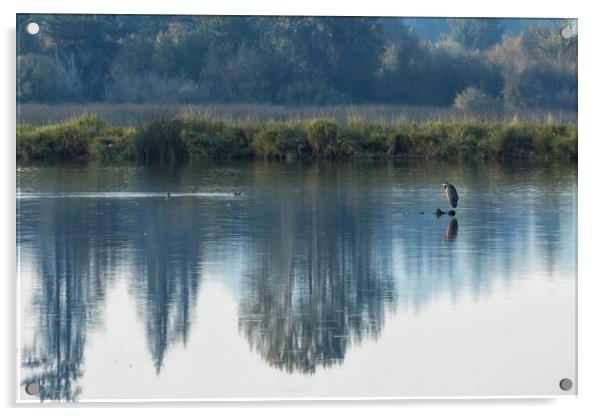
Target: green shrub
column 564, row 144
column 463, row 140
column 476, row 101
column 281, row 141
column 118, row 147
column 556, row 140
column 160, row 142
column 366, row 138
column 61, row 142
column 35, row 145
column 399, row 143
column 215, row 139
column 325, row 140
column 514, row 141
column 427, row 140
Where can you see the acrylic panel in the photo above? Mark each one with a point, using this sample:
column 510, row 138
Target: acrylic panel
column 267, row 207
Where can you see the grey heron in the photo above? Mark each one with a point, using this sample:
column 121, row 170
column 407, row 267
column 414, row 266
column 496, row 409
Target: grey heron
column 451, row 194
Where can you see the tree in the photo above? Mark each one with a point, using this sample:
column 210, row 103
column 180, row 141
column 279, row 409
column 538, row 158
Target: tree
column 539, row 68
column 289, row 60
column 91, row 42
column 478, row 34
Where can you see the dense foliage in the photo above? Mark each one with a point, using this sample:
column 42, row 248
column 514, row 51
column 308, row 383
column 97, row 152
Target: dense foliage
column 291, row 61
column 175, row 140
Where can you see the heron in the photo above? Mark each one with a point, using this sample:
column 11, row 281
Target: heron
column 167, row 195
column 451, row 194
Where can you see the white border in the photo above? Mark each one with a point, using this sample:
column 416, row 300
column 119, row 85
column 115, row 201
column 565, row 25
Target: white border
column 590, row 149
column 458, row 8
column 298, row 399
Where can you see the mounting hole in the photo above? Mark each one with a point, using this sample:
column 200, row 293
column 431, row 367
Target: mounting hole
column 566, row 384
column 32, row 28
column 33, row 389
column 566, row 32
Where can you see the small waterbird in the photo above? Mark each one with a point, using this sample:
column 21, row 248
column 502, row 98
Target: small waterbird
column 235, row 193
column 451, row 194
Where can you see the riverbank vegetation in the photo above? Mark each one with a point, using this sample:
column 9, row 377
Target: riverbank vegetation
column 188, row 138
column 168, row 89
column 469, row 105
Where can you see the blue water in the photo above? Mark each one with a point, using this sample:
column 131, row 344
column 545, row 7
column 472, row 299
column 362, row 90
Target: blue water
column 319, row 259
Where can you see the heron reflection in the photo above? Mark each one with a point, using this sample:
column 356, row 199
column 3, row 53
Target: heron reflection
column 452, row 230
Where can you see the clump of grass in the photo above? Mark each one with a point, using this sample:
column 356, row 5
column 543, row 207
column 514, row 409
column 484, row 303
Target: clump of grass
column 68, row 141
column 367, row 138
column 566, row 145
column 280, row 141
column 557, row 140
column 427, row 140
column 326, row 140
column 115, row 148
column 398, row 142
column 160, row 142
column 215, row 139
column 465, row 140
column 514, row 141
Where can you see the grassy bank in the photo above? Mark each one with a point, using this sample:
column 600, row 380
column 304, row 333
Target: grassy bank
column 177, row 139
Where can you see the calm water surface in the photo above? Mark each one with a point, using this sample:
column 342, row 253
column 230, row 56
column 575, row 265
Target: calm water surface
column 320, row 280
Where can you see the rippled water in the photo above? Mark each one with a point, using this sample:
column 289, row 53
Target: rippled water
column 319, row 280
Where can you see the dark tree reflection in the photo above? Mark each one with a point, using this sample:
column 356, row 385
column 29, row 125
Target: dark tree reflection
column 73, row 275
column 80, row 247
column 167, row 258
column 321, row 278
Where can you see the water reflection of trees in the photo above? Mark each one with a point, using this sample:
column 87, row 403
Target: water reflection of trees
column 167, row 274
column 79, row 248
column 328, row 253
column 321, row 278
column 73, row 270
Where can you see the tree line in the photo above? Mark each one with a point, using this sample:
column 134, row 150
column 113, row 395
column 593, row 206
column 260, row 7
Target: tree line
column 291, row 61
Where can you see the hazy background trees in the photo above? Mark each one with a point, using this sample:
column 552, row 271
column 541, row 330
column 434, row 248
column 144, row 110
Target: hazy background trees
column 295, row 60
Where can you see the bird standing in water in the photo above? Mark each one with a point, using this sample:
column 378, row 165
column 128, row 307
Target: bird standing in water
column 451, row 194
